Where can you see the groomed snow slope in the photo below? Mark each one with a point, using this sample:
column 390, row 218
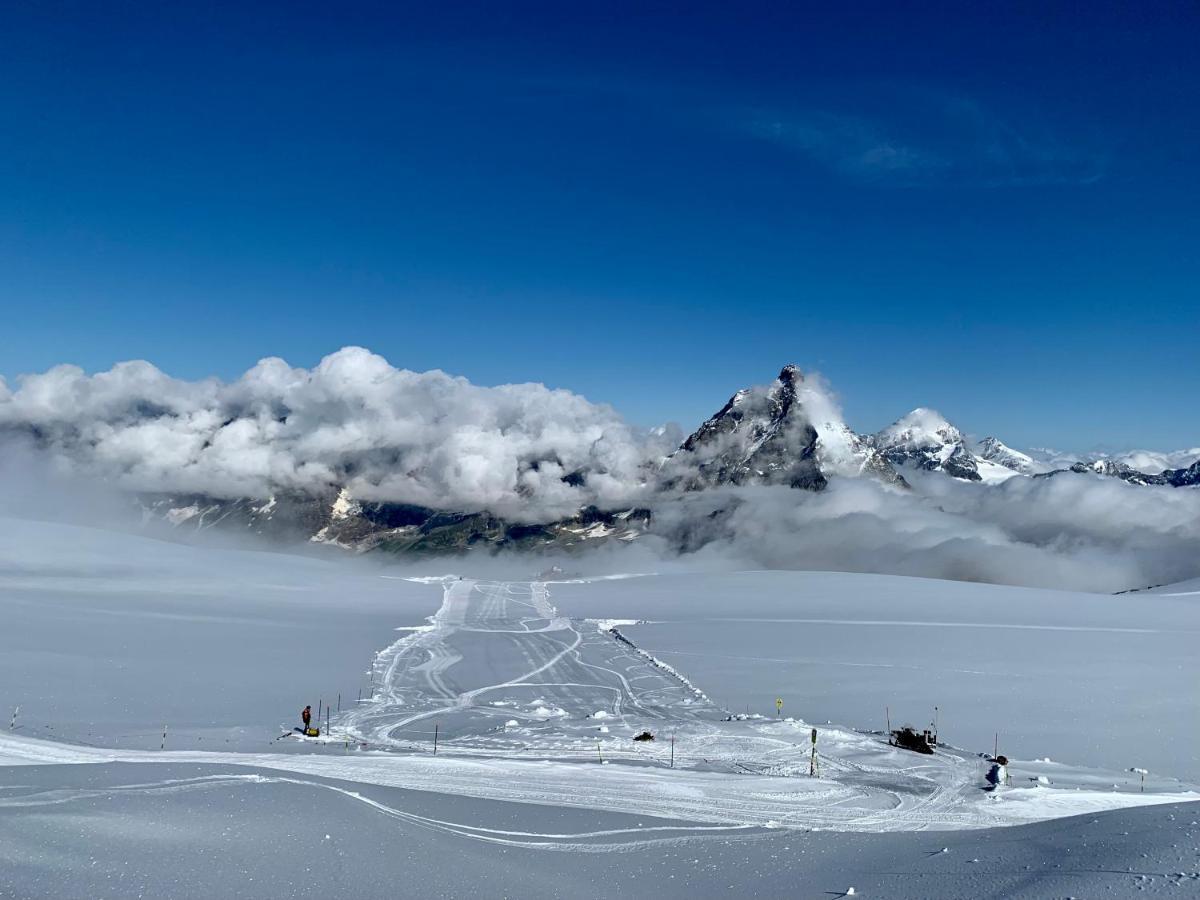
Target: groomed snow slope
column 185, row 830
column 536, row 692
column 1090, row 679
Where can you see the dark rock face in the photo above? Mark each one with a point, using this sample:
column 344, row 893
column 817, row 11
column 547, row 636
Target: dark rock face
column 332, row 519
column 761, row 436
column 1112, row 469
column 960, row 464
column 877, row 465
column 287, row 516
column 1189, row 477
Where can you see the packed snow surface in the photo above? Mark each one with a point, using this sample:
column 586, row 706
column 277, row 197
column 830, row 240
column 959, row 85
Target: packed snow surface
column 504, row 643
column 1095, row 679
column 534, row 691
column 187, row 830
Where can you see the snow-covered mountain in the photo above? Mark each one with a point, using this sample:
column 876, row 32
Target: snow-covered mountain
column 842, row 452
column 788, row 433
column 1154, row 461
column 996, row 451
column 1111, row 468
column 1185, row 477
column 923, row 439
column 762, row 435
column 784, row 433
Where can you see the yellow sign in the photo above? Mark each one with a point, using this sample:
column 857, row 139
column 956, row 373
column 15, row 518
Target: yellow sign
column 779, row 703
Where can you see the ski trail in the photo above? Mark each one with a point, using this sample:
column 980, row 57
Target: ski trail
column 500, row 652
column 535, row 707
column 598, row 841
column 936, row 794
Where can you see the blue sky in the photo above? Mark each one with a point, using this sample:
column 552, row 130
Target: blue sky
column 990, row 211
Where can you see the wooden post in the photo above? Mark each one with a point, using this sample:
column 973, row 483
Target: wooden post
column 164, row 739
column 13, row 723
column 996, row 746
column 598, row 754
column 319, row 702
column 435, row 737
column 327, row 721
column 887, row 713
column 672, row 751
column 935, row 723
column 812, row 764
column 339, row 701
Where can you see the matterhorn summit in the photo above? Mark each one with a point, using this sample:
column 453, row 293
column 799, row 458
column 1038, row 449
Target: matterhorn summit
column 763, row 435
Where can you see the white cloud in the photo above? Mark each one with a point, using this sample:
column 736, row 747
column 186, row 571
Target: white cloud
column 439, row 441
column 1069, row 532
column 426, row 438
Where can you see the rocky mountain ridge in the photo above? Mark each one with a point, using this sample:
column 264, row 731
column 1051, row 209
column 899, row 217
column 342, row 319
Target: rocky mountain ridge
column 766, row 435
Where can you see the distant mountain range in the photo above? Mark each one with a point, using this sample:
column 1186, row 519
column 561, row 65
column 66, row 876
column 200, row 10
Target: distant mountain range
column 778, row 434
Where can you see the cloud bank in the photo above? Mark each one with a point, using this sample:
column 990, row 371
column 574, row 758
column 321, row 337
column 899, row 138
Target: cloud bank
column 528, row 453
column 1070, row 532
column 522, row 451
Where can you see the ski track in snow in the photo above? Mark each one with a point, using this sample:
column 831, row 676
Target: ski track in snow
column 527, row 703
column 605, row 840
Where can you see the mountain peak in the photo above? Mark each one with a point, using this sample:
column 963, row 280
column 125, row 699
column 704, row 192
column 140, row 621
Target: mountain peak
column 995, row 450
column 790, row 374
column 923, row 427
column 761, row 436
column 925, row 439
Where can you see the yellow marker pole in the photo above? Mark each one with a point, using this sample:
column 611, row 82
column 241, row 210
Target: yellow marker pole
column 778, row 706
